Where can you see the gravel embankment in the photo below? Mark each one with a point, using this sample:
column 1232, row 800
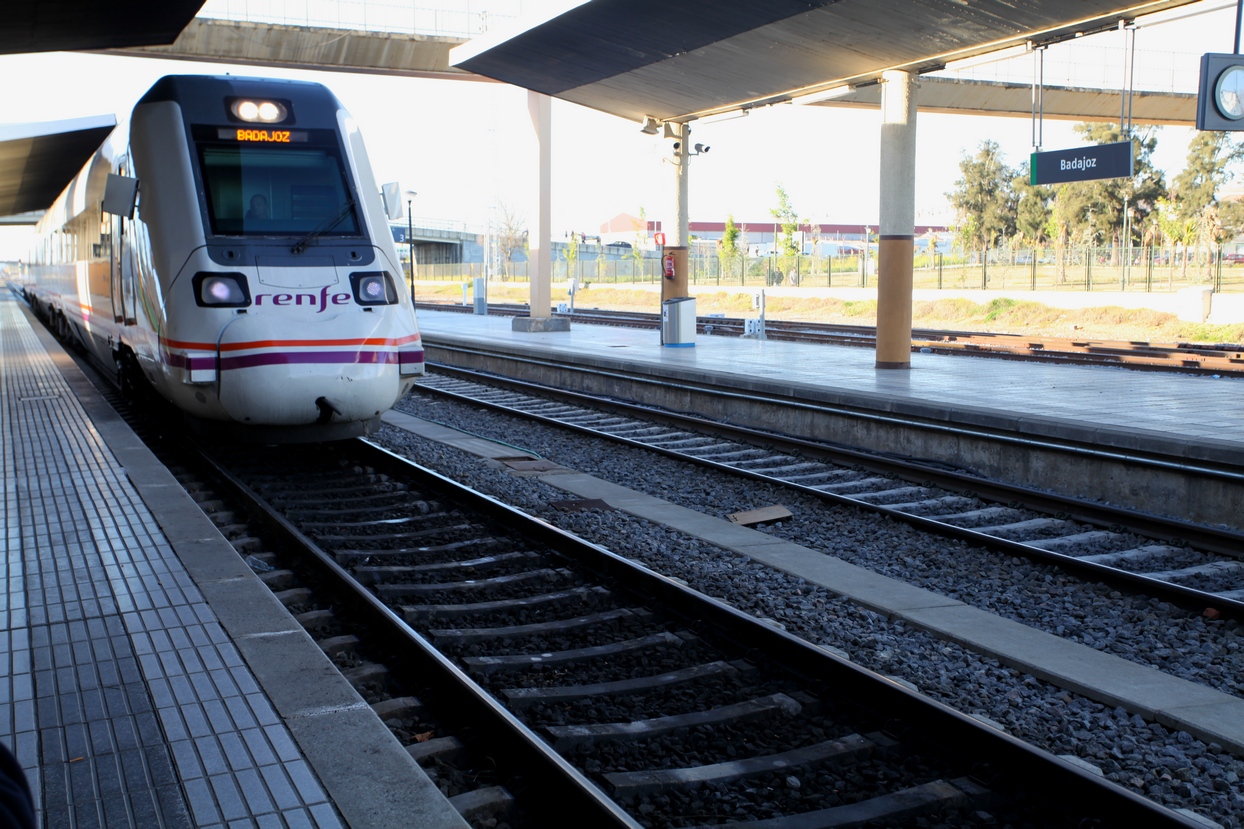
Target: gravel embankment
column 1172, row 768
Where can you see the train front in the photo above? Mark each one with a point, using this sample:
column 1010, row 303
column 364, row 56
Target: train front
column 290, row 317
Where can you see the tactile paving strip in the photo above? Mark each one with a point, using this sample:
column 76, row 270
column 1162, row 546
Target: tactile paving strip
column 122, row 696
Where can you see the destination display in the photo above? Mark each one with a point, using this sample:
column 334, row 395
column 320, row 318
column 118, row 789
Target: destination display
column 262, row 136
column 1081, row 164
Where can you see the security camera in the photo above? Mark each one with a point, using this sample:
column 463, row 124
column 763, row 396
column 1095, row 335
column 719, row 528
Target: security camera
column 677, row 145
column 700, row 148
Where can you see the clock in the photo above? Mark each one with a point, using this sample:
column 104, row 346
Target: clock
column 1220, row 96
column 1229, row 92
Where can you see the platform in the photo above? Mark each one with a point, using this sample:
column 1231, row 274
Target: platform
column 149, row 678
column 1174, row 412
column 1005, row 419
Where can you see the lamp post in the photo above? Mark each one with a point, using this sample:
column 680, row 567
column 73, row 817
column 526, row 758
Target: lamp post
column 410, row 241
column 1127, row 243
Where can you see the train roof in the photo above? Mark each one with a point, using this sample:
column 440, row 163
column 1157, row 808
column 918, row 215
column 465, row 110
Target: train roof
column 201, row 97
column 38, row 160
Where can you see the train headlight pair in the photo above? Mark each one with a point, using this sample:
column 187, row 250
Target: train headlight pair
column 259, row 112
column 221, row 290
column 373, row 288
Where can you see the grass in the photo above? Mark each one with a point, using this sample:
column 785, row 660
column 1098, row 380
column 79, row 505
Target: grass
column 1006, row 316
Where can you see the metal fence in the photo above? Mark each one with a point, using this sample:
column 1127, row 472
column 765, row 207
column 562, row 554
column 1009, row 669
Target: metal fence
column 1040, row 269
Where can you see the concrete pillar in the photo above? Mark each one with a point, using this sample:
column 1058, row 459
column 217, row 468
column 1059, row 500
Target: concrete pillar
column 682, row 161
column 897, row 232
column 540, row 237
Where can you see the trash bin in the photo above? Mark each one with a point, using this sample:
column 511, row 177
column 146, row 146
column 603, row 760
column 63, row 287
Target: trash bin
column 678, row 322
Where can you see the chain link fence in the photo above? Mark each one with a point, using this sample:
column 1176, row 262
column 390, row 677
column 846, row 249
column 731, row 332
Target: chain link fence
column 1039, row 269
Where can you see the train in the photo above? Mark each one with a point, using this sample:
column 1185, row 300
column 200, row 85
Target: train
column 228, row 247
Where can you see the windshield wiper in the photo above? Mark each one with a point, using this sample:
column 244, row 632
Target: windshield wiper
column 323, row 227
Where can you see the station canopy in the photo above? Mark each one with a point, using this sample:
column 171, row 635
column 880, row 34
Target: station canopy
column 679, row 61
column 71, row 25
column 37, row 161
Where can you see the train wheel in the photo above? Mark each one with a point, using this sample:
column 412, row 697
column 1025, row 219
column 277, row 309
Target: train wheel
column 129, row 376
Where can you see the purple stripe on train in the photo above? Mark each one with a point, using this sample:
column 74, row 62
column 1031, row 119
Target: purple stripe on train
column 307, row 358
column 294, row 358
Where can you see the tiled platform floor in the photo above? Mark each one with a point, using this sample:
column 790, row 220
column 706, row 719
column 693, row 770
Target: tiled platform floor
column 122, row 696
column 151, row 680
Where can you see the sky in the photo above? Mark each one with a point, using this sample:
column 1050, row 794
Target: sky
column 465, row 147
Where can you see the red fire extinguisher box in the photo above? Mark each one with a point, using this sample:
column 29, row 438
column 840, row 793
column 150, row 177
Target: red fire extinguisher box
column 674, row 273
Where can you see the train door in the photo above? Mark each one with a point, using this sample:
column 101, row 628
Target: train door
column 114, row 257
column 129, row 276
column 119, row 199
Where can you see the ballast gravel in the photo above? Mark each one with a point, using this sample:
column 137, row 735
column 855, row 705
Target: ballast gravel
column 1172, row 768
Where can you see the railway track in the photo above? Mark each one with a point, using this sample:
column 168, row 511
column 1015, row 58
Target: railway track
column 1188, row 564
column 561, row 685
column 417, row 713
column 624, row 697
column 1184, row 357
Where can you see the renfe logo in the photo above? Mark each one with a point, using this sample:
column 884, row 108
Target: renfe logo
column 322, row 301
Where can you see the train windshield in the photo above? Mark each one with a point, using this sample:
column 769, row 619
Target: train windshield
column 262, row 190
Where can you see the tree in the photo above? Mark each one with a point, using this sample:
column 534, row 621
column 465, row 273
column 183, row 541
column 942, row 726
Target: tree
column 815, row 229
column 641, row 239
column 984, row 198
column 1095, row 208
column 572, row 254
column 1178, row 228
column 1032, row 208
column 1231, row 214
column 1062, row 216
column 1208, row 235
column 1210, row 155
column 729, row 243
column 784, row 245
column 511, row 235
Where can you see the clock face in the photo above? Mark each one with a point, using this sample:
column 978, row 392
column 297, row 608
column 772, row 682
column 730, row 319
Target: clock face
column 1229, row 93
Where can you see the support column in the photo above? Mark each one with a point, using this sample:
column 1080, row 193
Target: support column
column 540, row 237
column 897, row 232
column 682, row 161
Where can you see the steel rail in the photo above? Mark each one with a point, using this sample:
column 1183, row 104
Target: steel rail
column 1015, row 762
column 583, row 802
column 1224, row 542
column 1225, row 472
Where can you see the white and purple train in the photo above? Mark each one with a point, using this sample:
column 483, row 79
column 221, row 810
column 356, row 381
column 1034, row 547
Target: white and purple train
column 231, row 248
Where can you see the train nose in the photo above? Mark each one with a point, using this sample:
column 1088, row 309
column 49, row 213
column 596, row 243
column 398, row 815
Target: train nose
column 287, row 373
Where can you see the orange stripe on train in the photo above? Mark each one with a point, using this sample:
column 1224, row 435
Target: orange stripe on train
column 243, row 346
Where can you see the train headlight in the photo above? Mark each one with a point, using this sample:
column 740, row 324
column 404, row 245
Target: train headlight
column 221, row 290
column 373, row 288
column 259, row 112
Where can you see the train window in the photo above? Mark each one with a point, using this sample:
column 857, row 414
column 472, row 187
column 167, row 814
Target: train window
column 260, row 190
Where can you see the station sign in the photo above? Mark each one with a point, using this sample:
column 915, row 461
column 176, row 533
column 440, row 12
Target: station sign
column 1081, row 164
